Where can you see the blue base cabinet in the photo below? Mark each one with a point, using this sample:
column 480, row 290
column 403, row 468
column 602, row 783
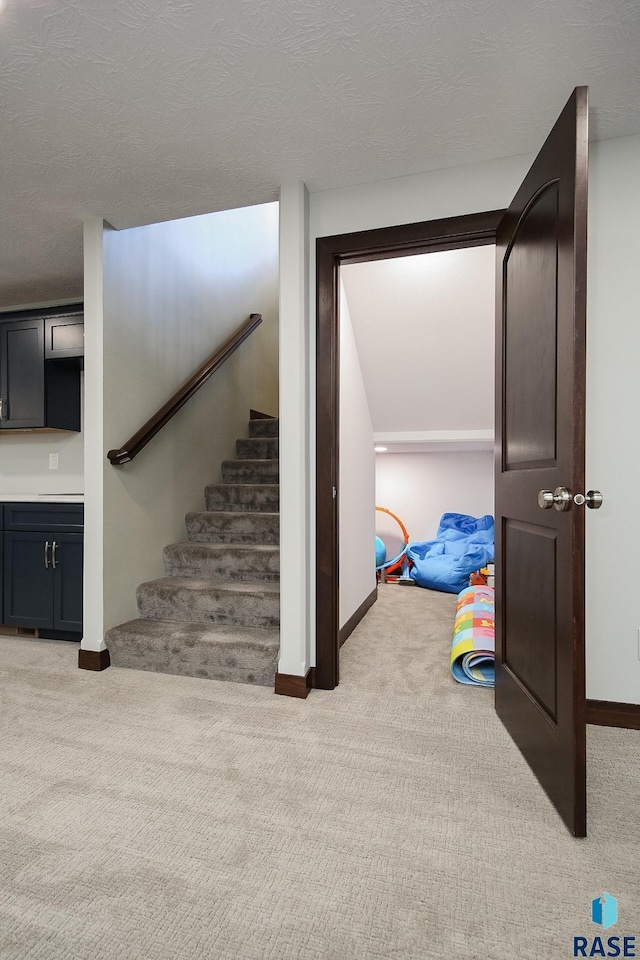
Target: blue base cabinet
column 42, row 568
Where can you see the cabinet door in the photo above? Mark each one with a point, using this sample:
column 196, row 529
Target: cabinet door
column 64, row 337
column 28, row 580
column 67, row 581
column 22, row 374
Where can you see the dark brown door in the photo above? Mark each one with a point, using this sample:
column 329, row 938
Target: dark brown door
column 540, row 399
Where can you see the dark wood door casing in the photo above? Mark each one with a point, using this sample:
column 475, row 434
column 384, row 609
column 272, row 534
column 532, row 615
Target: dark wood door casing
column 430, row 236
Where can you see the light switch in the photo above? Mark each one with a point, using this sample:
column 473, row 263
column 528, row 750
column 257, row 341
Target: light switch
column 53, row 461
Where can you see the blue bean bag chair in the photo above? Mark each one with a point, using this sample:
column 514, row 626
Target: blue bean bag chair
column 462, row 544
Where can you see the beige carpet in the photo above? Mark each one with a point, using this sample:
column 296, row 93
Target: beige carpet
column 156, row 817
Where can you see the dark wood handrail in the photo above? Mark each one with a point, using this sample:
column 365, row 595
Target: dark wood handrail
column 134, row 444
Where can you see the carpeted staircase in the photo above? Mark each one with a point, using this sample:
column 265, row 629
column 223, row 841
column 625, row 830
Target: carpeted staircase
column 216, row 614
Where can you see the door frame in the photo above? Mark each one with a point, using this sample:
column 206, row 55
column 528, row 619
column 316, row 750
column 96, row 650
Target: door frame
column 429, row 236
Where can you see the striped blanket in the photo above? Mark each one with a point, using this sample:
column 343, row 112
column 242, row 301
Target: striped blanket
column 473, row 648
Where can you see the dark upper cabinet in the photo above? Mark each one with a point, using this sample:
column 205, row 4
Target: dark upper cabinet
column 40, row 368
column 64, row 337
column 22, row 384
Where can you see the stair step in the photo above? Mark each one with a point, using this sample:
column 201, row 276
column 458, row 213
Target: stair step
column 223, row 561
column 233, row 527
column 241, row 602
column 257, row 448
column 243, row 497
column 250, row 471
column 209, row 651
column 264, row 428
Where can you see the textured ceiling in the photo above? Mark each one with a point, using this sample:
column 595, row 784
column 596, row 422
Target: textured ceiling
column 424, row 329
column 145, row 110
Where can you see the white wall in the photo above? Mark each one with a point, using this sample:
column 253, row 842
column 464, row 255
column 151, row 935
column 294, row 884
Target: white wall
column 613, row 407
column 296, row 532
column 416, row 319
column 356, row 484
column 420, row 487
column 94, row 448
column 613, row 668
column 172, row 294
column 24, row 463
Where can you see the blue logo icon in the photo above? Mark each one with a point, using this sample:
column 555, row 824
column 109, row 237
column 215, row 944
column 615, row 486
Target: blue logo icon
column 604, row 911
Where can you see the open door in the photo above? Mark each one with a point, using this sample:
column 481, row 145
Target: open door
column 540, row 440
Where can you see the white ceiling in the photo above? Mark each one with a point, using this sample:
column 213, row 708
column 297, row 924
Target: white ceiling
column 147, row 110
column 424, row 330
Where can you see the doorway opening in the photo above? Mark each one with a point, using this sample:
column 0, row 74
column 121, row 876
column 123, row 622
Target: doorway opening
column 332, row 253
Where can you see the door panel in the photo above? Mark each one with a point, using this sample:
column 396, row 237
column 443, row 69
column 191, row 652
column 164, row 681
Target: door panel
column 530, row 278
column 528, row 558
column 540, row 393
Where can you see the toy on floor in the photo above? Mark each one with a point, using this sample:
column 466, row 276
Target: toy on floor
column 484, row 577
column 387, row 569
column 473, row 650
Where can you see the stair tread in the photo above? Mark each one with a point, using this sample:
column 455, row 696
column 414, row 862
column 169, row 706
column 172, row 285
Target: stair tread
column 257, row 448
column 215, row 633
column 234, row 527
column 231, row 515
column 226, row 586
column 196, row 545
column 239, row 462
column 246, row 487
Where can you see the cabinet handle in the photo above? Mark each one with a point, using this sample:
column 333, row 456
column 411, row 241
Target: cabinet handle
column 2, row 403
column 53, row 554
column 46, row 554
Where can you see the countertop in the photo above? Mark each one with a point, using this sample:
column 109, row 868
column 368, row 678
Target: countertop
column 41, row 498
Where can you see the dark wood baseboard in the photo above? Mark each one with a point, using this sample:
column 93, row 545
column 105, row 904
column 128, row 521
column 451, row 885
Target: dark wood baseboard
column 93, row 659
column 608, row 713
column 256, row 415
column 289, row 685
column 312, row 678
column 355, row 618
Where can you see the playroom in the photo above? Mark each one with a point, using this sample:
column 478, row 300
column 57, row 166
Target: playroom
column 416, row 436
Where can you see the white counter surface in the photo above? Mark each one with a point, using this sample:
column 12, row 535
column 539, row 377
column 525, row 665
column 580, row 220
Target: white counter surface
column 41, row 498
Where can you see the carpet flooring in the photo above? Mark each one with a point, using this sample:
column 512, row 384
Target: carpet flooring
column 168, row 818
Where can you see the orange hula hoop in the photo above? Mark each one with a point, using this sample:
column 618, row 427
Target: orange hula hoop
column 398, row 565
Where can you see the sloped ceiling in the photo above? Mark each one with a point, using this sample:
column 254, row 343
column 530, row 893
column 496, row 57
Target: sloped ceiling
column 146, row 110
column 424, row 330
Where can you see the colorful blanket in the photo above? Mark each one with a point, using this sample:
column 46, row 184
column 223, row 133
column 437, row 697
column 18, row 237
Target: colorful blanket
column 473, row 651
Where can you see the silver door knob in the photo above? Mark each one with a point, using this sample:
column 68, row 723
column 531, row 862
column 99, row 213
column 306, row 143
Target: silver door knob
column 545, row 499
column 593, row 499
column 561, row 499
